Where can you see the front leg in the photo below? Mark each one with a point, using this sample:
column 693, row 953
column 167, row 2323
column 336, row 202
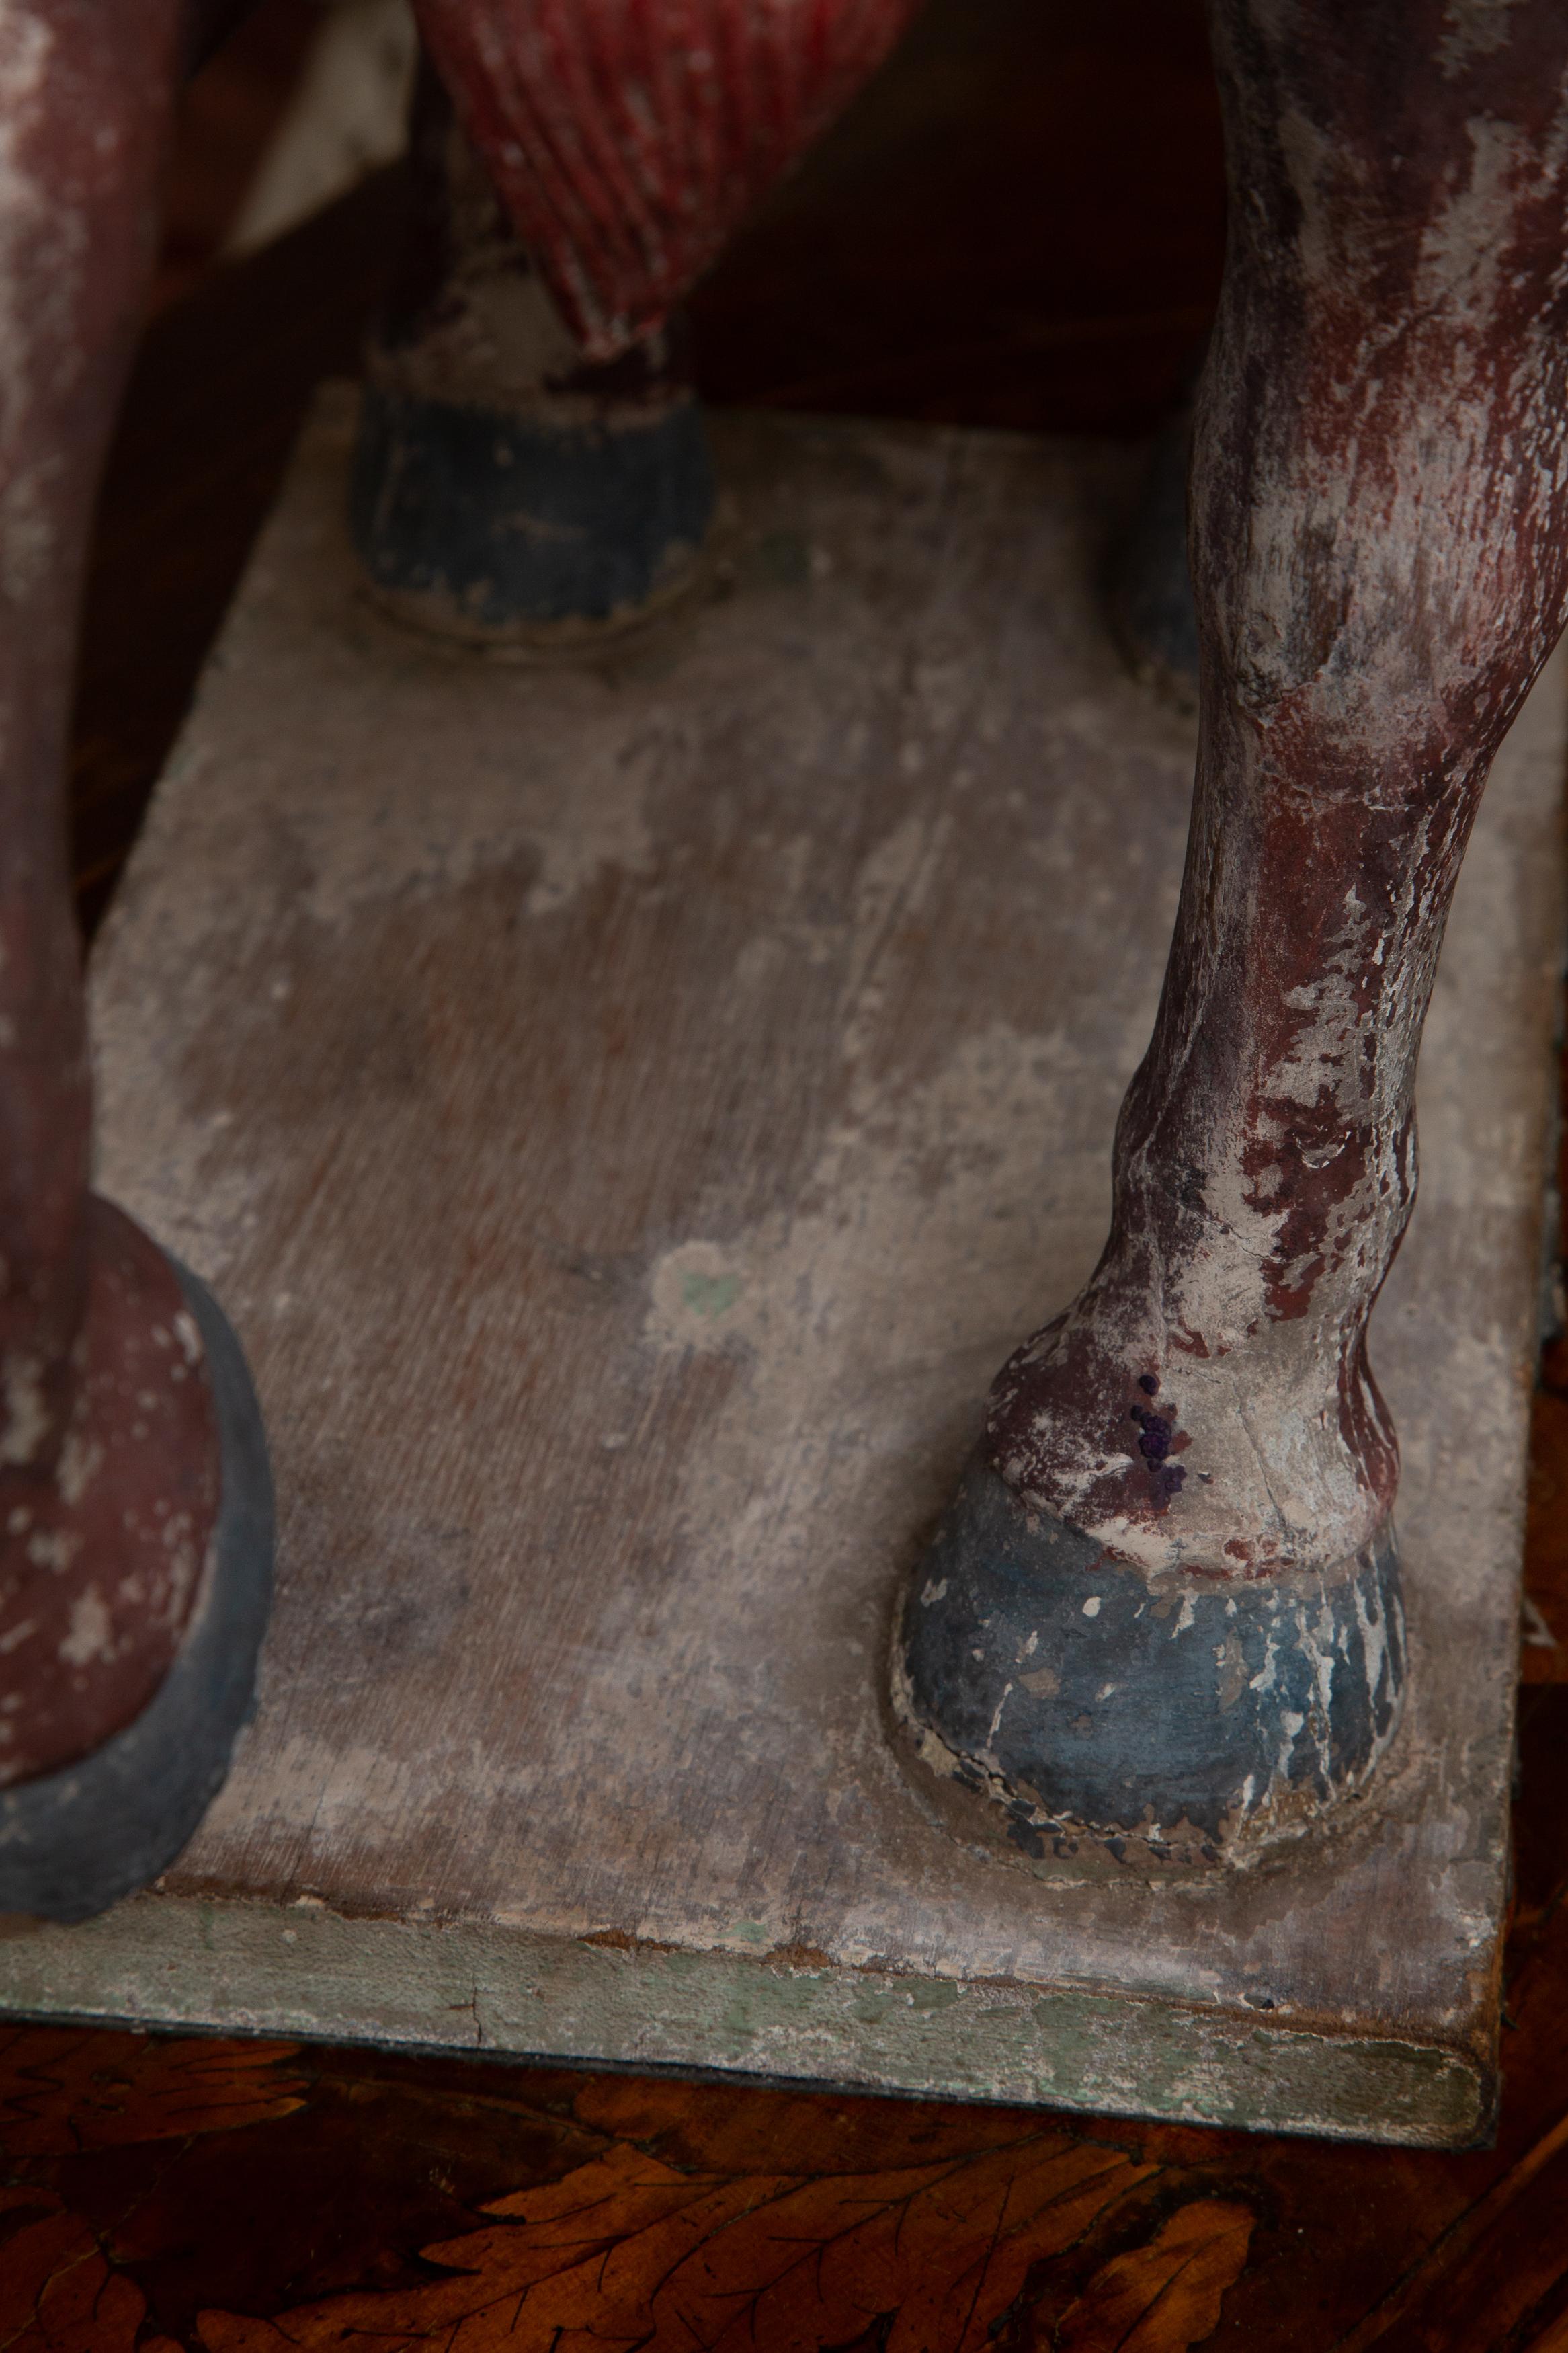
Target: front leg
column 1165, row 1606
column 134, row 1504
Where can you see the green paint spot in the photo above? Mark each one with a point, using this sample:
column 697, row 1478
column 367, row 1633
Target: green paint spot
column 753, row 1931
column 709, row 1294
column 870, row 2008
column 940, row 1996
column 760, row 2003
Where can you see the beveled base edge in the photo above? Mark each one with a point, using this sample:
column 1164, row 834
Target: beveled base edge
column 204, row 1962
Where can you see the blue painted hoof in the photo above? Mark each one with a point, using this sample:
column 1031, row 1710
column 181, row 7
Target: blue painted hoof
column 490, row 524
column 1072, row 1707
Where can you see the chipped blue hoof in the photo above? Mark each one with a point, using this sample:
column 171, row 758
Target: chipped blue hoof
column 1074, row 1708
column 496, row 527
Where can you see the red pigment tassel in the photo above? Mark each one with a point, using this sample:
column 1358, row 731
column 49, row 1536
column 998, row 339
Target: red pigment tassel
column 628, row 138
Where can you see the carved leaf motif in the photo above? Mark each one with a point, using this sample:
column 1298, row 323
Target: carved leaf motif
column 1165, row 2297
column 728, row 2127
column 57, row 2294
column 63, row 2090
column 627, row 2251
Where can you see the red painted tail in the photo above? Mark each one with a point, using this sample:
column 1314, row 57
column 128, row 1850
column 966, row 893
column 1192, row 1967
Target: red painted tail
column 629, row 137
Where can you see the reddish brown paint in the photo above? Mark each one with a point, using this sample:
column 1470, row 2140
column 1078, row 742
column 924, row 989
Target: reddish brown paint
column 629, row 138
column 109, row 1468
column 1380, row 540
column 104, row 1553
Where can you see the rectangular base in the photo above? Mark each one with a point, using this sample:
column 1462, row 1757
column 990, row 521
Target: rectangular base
column 629, row 1109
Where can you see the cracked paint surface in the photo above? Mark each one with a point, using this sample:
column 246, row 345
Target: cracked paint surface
column 1379, row 543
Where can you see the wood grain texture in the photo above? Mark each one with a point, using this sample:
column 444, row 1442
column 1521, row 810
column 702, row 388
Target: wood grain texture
column 813, row 305
column 624, row 1112
column 211, row 413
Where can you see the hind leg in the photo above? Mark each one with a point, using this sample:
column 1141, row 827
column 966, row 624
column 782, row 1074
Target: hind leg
column 1165, row 1606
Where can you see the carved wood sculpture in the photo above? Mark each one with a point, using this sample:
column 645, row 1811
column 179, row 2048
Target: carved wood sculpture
column 1164, row 1614
column 134, row 1504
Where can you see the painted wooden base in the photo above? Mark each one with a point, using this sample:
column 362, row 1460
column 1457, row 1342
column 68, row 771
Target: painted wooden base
column 629, row 1109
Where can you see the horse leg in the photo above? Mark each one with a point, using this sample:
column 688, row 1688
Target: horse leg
column 1165, row 1608
column 123, row 1668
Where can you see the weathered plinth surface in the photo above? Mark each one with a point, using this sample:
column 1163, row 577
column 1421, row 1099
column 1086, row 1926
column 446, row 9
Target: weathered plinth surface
column 629, row 1110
